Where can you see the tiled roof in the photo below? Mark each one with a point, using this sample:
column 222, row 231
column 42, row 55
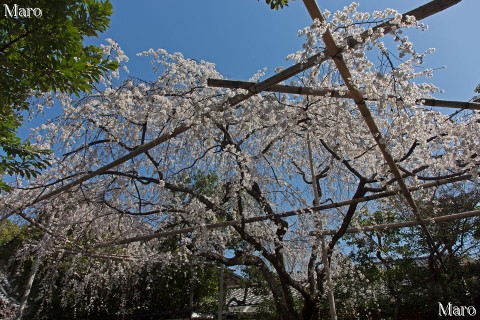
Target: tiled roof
column 236, row 297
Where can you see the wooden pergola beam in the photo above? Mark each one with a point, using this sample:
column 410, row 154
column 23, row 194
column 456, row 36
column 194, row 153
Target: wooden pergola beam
column 451, row 104
column 234, row 84
column 419, row 13
column 404, row 224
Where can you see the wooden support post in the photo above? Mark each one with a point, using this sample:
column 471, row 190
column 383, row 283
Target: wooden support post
column 220, row 292
column 28, row 288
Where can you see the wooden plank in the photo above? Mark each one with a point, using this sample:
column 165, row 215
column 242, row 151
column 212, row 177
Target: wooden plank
column 451, row 104
column 412, row 223
column 234, row 84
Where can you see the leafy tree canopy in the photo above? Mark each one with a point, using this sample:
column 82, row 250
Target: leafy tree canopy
column 43, row 54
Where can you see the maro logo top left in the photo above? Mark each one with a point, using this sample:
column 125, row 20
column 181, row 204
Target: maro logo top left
column 20, row 12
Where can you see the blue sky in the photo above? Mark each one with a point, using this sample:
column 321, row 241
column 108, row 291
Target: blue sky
column 243, row 36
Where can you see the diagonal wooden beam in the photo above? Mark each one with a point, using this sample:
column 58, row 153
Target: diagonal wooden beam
column 234, row 84
column 356, row 95
column 419, row 13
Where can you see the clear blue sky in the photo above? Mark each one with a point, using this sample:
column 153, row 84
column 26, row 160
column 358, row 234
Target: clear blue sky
column 243, row 36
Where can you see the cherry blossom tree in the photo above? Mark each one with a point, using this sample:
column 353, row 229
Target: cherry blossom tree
column 233, row 184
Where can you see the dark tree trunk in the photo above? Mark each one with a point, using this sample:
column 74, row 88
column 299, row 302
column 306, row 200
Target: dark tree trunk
column 311, row 310
column 281, row 295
